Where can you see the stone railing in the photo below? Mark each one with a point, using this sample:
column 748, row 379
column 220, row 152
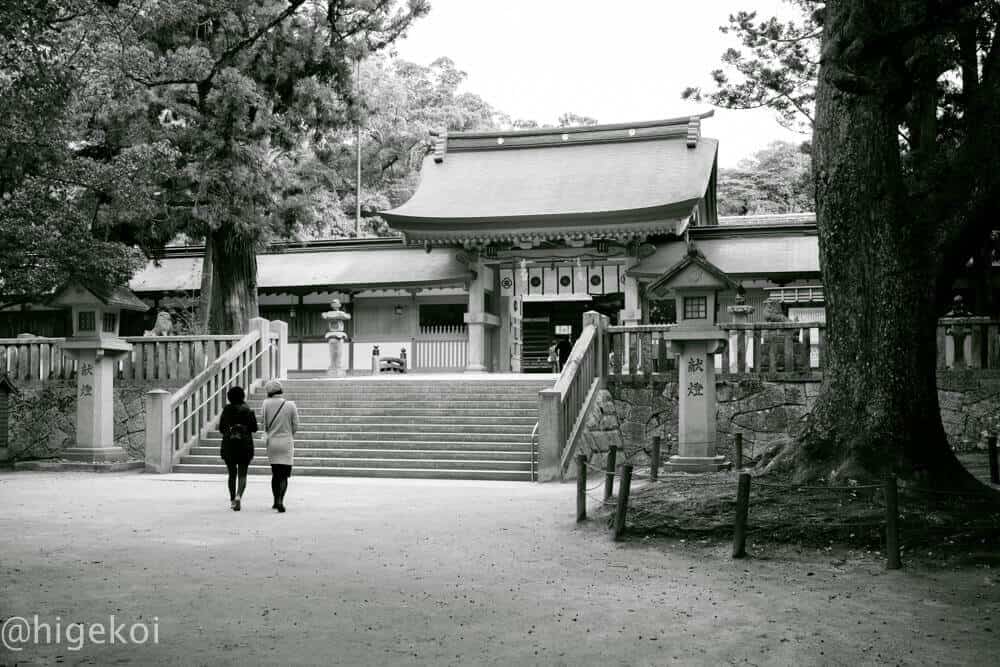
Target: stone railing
column 176, row 421
column 773, row 347
column 968, row 342
column 152, row 359
column 563, row 408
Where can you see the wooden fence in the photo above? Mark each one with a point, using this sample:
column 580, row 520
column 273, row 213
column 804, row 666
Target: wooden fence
column 440, row 348
column 152, row 358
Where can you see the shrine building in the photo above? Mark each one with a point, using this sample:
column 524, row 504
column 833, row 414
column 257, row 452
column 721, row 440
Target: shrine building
column 509, row 238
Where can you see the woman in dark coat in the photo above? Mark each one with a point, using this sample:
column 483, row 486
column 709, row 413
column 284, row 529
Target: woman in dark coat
column 237, row 425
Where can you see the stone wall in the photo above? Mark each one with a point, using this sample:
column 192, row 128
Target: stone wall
column 43, row 420
column 765, row 411
column 970, row 406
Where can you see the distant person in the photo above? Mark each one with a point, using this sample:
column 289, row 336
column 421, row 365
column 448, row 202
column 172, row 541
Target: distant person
column 281, row 421
column 564, row 347
column 553, row 357
column 237, row 425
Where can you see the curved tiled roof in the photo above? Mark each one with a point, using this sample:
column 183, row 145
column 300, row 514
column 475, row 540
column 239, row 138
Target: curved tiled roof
column 600, row 179
column 350, row 268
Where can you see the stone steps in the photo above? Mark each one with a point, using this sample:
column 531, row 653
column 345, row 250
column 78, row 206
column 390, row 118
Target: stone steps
column 417, row 463
column 377, row 410
column 413, row 403
column 486, row 452
column 400, row 431
column 443, row 429
column 428, row 419
column 442, row 472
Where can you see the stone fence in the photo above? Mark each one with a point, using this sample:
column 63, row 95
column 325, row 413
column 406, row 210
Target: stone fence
column 767, row 409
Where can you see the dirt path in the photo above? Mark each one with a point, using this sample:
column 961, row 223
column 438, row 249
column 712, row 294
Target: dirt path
column 415, row 572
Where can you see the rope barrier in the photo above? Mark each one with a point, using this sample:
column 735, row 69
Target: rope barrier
column 794, row 487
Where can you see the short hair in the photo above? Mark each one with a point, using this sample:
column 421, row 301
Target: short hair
column 236, row 395
column 273, row 388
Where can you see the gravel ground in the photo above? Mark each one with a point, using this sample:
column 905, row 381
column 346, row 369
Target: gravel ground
column 387, row 572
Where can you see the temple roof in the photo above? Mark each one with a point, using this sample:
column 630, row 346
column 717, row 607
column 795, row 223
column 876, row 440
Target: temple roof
column 350, row 268
column 604, row 180
column 749, row 255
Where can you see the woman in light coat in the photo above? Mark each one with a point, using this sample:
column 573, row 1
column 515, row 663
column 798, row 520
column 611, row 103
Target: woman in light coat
column 281, row 421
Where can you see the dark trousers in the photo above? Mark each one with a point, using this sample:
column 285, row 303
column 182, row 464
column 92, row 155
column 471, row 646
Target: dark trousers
column 279, row 481
column 236, row 470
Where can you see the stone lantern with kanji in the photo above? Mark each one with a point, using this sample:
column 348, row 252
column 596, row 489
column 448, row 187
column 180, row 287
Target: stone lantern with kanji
column 95, row 345
column 695, row 283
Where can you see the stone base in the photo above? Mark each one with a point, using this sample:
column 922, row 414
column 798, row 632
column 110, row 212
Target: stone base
column 696, row 464
column 93, row 455
column 336, row 372
column 78, row 466
column 475, row 368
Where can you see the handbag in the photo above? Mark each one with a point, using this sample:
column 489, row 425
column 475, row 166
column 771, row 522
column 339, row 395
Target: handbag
column 269, row 423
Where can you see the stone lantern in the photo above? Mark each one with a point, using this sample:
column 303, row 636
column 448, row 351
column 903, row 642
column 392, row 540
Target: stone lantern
column 337, row 337
column 95, row 345
column 695, row 283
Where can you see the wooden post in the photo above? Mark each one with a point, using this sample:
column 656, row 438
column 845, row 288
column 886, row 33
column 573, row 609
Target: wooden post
column 892, row 523
column 581, row 487
column 742, row 511
column 739, row 451
column 609, row 475
column 991, row 448
column 623, row 490
column 654, row 463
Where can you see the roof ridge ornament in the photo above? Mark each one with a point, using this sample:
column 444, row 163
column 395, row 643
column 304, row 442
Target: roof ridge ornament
column 693, row 131
column 440, row 145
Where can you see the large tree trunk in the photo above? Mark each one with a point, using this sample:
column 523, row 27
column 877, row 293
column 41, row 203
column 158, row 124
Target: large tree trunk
column 878, row 409
column 234, row 281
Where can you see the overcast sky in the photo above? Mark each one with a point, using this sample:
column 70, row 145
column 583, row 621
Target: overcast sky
column 619, row 61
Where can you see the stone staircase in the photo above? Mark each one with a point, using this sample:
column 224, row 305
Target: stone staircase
column 417, row 427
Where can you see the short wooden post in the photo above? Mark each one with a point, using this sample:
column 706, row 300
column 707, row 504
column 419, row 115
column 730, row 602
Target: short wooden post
column 581, row 487
column 654, row 463
column 742, row 511
column 739, row 451
column 893, row 561
column 609, row 475
column 991, row 448
column 622, row 510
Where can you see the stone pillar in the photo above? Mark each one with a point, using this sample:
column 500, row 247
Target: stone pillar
column 95, row 408
column 600, row 323
column 159, row 446
column 741, row 315
column 476, row 322
column 551, row 439
column 281, row 328
column 263, row 366
column 696, row 429
column 632, row 314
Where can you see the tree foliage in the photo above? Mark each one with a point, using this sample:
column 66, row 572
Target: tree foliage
column 196, row 116
column 774, row 66
column 401, row 104
column 776, row 179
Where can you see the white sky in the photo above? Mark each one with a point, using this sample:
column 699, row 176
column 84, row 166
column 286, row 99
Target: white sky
column 619, row 61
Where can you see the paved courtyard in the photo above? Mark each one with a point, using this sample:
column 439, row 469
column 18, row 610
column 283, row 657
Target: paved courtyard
column 382, row 572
